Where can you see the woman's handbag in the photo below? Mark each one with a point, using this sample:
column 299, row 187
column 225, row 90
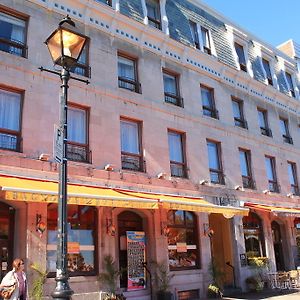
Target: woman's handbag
column 8, row 291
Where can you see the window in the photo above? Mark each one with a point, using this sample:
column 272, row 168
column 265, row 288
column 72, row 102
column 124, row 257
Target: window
column 238, row 114
column 290, row 84
column 182, row 240
column 127, row 74
column 171, row 89
column 176, row 153
column 284, row 128
column 254, row 237
column 153, row 13
column 13, row 33
column 208, row 102
column 271, row 174
column 263, row 122
column 214, row 162
column 78, row 144
column 82, row 66
column 10, row 120
column 241, row 56
column 108, row 2
column 292, row 171
column 131, row 149
column 82, row 233
column 195, row 35
column 267, row 69
column 245, row 165
column 205, row 34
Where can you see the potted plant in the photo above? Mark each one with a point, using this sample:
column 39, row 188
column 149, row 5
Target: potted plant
column 163, row 278
column 254, row 283
column 110, row 278
column 38, row 282
column 214, row 289
column 259, row 266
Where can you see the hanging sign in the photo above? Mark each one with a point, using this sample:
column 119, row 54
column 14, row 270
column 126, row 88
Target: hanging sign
column 135, row 259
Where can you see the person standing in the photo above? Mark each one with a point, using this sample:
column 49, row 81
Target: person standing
column 16, row 276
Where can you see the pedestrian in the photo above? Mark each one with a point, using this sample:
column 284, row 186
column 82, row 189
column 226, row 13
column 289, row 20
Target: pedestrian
column 16, row 277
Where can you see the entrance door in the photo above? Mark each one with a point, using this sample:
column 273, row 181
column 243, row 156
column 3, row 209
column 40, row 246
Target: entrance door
column 221, row 248
column 277, row 246
column 7, row 217
column 127, row 221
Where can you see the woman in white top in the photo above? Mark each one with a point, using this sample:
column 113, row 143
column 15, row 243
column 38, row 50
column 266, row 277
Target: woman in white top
column 16, row 276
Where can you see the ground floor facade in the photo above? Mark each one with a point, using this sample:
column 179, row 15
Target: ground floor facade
column 184, row 236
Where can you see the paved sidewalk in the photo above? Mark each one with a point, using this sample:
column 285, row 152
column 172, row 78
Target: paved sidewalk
column 269, row 294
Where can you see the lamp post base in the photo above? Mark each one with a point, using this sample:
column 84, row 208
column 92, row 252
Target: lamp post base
column 62, row 290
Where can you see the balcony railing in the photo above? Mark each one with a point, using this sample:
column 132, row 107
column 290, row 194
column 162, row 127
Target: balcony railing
column 132, row 162
column 217, row 176
column 266, row 131
column 82, row 69
column 14, row 47
column 287, row 139
column 178, row 169
column 210, row 112
column 274, row 186
column 240, row 123
column 248, row 182
column 129, row 84
column 76, row 152
column 173, row 99
column 10, row 142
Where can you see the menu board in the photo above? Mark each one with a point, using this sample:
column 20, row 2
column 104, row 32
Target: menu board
column 135, row 259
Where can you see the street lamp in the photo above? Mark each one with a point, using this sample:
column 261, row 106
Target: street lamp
column 65, row 45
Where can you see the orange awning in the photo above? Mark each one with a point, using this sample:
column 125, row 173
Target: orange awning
column 277, row 210
column 30, row 190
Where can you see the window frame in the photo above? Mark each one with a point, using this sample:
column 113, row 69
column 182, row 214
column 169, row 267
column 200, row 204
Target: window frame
column 209, row 111
column 195, row 34
column 206, row 49
column 239, row 121
column 176, row 164
column 23, row 17
column 290, row 84
column 85, row 146
column 126, row 155
column 294, row 187
column 242, row 65
column 248, row 181
column 137, row 85
column 286, row 136
column 155, row 23
column 18, row 134
column 196, row 236
column 177, row 97
column 267, row 68
column 220, row 171
column 273, row 184
column 264, row 130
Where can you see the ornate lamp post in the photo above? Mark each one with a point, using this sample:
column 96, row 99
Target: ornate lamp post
column 65, row 45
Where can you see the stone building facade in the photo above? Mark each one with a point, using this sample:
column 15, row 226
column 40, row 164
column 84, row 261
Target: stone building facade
column 187, row 134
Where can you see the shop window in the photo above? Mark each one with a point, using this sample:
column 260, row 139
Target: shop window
column 253, row 234
column 182, row 240
column 82, row 233
column 10, row 120
column 78, row 142
column 208, row 102
column 131, row 145
column 13, row 28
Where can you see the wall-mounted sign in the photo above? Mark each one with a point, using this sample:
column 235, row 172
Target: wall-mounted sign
column 181, row 247
column 135, row 260
column 243, row 259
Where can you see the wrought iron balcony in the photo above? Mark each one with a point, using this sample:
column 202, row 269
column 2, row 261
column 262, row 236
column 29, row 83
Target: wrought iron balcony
column 80, row 153
column 132, row 162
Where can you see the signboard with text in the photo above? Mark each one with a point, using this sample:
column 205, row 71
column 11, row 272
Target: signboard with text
column 58, row 144
column 135, row 259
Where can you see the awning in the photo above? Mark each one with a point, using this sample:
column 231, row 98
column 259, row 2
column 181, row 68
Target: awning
column 277, row 210
column 30, row 190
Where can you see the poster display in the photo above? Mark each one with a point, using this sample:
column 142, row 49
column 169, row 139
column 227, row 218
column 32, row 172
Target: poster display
column 135, row 259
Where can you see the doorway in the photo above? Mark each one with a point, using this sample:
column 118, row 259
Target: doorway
column 127, row 221
column 7, row 218
column 277, row 241
column 221, row 249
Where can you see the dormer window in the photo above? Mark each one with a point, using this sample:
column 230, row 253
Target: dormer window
column 153, row 13
column 205, row 34
column 239, row 49
column 290, row 84
column 266, row 65
column 194, row 32
column 201, row 37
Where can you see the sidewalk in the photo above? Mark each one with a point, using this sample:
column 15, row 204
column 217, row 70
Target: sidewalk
column 277, row 294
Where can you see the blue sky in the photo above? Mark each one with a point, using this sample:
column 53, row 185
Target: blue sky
column 273, row 21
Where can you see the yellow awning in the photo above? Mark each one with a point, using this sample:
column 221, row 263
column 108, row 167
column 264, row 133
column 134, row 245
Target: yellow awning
column 278, row 210
column 30, row 190
column 190, row 204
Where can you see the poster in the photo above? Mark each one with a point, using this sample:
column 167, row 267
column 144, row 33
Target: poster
column 135, row 259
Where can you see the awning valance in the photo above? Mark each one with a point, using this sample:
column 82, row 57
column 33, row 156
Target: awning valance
column 30, row 190
column 277, row 210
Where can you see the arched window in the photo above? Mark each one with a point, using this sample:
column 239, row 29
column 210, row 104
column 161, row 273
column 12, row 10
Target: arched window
column 254, row 238
column 182, row 240
column 82, row 233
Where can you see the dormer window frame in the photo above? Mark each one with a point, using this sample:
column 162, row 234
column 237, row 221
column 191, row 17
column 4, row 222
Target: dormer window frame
column 268, row 55
column 290, row 80
column 241, row 66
